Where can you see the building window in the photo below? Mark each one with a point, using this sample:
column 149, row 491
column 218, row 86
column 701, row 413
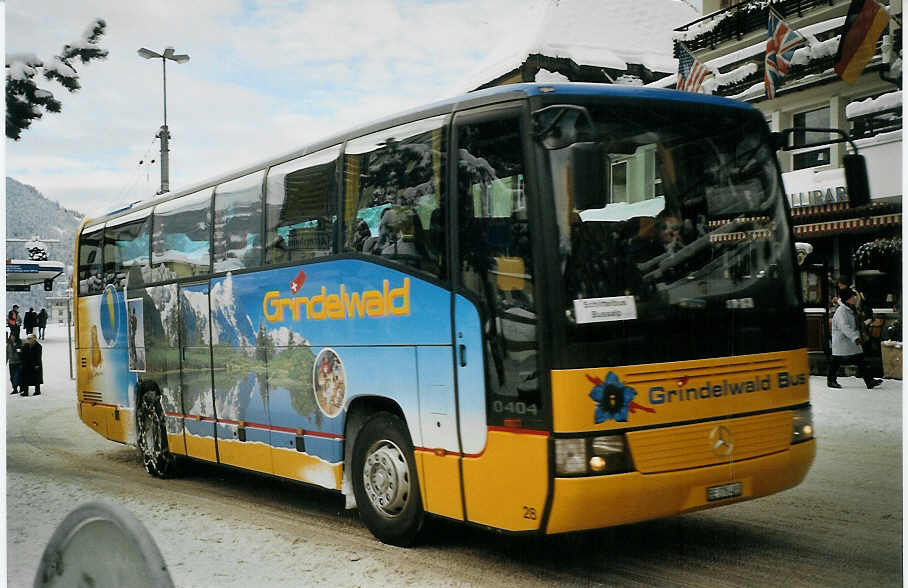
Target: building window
column 810, row 157
column 619, row 182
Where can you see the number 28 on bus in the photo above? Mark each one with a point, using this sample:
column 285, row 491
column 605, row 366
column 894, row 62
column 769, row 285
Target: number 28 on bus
column 534, row 308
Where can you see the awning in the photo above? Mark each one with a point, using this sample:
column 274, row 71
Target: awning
column 850, row 224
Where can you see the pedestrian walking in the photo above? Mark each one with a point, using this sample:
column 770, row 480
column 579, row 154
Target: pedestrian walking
column 846, row 342
column 32, row 369
column 42, row 323
column 13, row 320
column 31, row 318
column 14, row 359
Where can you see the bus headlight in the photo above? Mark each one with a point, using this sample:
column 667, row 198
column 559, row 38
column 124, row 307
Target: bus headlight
column 612, row 449
column 802, row 425
column 598, row 455
column 570, row 456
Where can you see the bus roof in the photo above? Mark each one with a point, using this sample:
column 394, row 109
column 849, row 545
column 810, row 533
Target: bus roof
column 471, row 100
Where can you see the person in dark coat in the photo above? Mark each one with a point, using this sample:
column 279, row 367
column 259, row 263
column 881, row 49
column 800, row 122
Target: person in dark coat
column 42, row 323
column 32, row 369
column 31, row 317
column 14, row 359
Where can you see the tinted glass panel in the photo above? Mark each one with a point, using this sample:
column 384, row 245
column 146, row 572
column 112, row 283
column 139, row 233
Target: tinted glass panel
column 394, row 195
column 702, row 267
column 91, row 278
column 126, row 250
column 302, row 207
column 238, row 223
column 496, row 264
column 181, row 239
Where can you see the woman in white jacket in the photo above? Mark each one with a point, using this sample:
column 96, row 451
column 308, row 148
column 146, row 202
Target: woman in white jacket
column 846, row 342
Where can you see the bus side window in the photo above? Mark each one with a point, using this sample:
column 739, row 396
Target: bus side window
column 181, row 237
column 238, row 223
column 496, row 263
column 91, row 280
column 301, row 207
column 395, row 193
column 126, row 250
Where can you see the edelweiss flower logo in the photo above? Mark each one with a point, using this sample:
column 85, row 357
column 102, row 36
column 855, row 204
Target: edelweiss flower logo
column 613, row 399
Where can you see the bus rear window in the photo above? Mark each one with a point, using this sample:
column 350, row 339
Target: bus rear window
column 91, row 272
column 126, row 250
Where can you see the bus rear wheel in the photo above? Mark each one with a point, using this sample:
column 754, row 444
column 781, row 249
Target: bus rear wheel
column 151, row 437
column 385, row 481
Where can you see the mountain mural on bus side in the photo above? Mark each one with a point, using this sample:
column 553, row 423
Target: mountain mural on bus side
column 254, row 363
column 227, row 326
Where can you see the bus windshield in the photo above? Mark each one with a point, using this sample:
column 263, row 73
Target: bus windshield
column 691, row 255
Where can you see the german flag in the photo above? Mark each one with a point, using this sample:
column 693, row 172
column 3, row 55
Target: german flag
column 864, row 24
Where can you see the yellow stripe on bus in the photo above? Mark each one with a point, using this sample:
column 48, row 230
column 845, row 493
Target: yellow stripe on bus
column 679, row 391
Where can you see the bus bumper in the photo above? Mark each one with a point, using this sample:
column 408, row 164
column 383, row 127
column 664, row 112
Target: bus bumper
column 603, row 501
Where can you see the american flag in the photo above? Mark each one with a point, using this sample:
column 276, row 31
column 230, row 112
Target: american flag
column 690, row 71
column 780, row 47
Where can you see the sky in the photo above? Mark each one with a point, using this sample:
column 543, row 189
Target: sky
column 264, row 78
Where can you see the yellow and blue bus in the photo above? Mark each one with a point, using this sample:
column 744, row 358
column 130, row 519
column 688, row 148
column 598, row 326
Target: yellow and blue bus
column 534, row 308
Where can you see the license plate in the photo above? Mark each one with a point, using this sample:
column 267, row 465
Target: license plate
column 722, row 492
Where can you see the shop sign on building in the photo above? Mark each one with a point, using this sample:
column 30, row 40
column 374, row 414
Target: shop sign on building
column 819, row 197
column 809, row 187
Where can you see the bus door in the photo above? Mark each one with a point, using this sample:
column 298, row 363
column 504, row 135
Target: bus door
column 505, row 456
column 195, row 371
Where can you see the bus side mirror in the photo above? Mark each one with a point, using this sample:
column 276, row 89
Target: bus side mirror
column 589, row 175
column 48, row 285
column 856, row 180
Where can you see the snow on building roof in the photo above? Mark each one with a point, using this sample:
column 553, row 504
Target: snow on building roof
column 884, row 102
column 601, row 33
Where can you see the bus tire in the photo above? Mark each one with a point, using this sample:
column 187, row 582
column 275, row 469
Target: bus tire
column 385, row 482
column 151, row 437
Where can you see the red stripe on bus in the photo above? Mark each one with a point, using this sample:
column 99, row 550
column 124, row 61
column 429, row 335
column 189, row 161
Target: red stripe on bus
column 93, row 403
column 249, row 425
column 519, row 431
column 480, row 454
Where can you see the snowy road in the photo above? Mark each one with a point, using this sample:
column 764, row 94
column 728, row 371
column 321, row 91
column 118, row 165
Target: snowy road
column 224, row 528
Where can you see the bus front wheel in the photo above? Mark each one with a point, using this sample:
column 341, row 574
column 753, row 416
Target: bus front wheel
column 385, row 481
column 151, row 436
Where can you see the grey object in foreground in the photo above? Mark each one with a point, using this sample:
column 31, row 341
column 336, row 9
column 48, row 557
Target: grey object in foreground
column 102, row 545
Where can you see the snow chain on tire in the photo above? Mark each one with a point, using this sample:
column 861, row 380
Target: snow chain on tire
column 151, row 436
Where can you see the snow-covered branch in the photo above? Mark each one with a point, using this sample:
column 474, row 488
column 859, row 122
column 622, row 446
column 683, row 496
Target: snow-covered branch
column 25, row 101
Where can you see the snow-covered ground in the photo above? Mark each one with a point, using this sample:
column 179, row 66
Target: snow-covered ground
column 217, row 533
column 200, row 547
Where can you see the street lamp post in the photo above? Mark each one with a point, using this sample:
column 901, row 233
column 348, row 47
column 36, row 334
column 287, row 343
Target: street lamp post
column 164, row 133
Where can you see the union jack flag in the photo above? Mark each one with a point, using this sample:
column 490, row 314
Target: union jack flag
column 690, row 71
column 780, row 46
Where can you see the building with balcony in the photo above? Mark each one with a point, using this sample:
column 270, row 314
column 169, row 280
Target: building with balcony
column 604, row 41
column 863, row 242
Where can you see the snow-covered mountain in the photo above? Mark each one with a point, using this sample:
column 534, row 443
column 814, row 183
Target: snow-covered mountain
column 29, row 213
column 226, row 325
column 284, row 337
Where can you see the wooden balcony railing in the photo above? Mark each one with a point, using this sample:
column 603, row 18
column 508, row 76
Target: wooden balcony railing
column 743, row 18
